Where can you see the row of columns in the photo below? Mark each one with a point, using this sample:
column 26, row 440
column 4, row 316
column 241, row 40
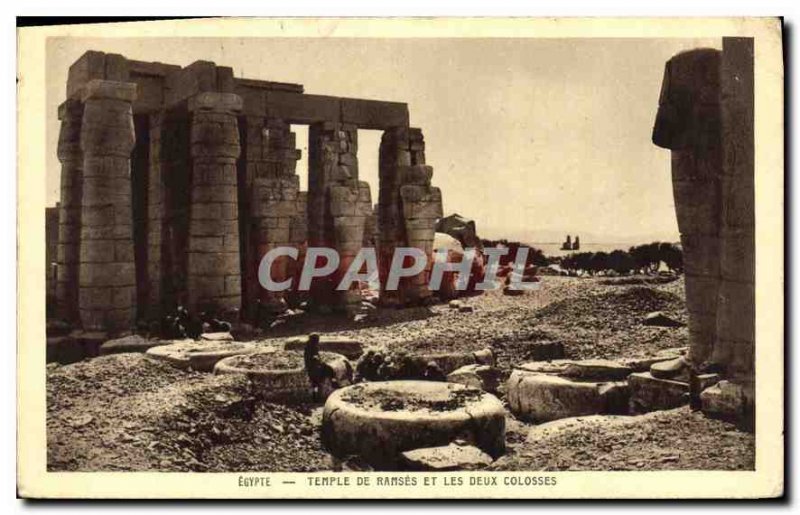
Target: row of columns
column 202, row 163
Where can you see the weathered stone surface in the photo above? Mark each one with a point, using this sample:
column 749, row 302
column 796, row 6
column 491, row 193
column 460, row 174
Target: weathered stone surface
column 351, row 349
column 669, row 369
column 107, row 301
column 545, row 397
column 64, row 350
column 726, row 400
column 706, row 118
column 659, row 319
column 651, row 394
column 379, row 421
column 644, row 364
column 133, row 343
column 448, row 457
column 281, row 375
column 217, row 337
column 548, row 429
column 556, row 366
column 373, row 114
column 482, row 377
column 597, row 370
column 199, row 355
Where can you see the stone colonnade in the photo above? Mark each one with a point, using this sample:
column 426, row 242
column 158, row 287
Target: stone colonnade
column 176, row 181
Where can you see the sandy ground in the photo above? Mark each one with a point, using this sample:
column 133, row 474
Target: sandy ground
column 126, row 412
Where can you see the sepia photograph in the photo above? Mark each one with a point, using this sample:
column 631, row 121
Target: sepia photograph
column 364, row 259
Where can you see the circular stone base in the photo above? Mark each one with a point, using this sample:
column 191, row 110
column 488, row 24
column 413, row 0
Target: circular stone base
column 281, row 375
column 199, row 355
column 379, row 421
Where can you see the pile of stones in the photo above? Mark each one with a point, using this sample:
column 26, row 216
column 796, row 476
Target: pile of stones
column 545, row 391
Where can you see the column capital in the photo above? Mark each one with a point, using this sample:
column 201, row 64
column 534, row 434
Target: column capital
column 109, row 89
column 70, row 109
column 215, row 101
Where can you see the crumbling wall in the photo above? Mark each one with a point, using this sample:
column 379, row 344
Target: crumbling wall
column 408, row 210
column 273, row 203
column 338, row 204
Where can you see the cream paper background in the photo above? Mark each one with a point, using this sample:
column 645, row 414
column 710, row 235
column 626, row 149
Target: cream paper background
column 766, row 480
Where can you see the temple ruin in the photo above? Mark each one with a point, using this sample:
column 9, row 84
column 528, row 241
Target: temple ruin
column 175, row 181
column 705, row 118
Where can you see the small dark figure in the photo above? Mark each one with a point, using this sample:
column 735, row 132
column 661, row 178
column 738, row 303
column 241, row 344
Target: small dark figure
column 433, row 372
column 320, row 375
column 192, row 326
column 171, row 328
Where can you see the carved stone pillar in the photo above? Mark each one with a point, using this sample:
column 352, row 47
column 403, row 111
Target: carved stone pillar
column 408, row 210
column 736, row 320
column 338, row 204
column 706, row 118
column 273, row 203
column 107, row 273
column 213, row 267
column 688, row 124
column 156, row 218
column 69, row 210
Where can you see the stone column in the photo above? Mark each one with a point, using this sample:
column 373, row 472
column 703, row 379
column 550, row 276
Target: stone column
column 408, row 210
column 338, row 204
column 688, row 124
column 272, row 164
column 214, row 275
column 706, row 118
column 736, row 319
column 156, row 212
column 69, row 210
column 107, row 278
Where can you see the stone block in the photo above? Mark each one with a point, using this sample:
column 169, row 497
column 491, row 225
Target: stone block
column 108, row 89
column 420, row 175
column 453, row 457
column 200, row 244
column 128, row 344
column 421, row 201
column 373, row 114
column 97, row 251
column 90, row 66
column 597, row 370
column 302, row 109
column 107, row 274
column 544, row 397
column 651, row 394
column 482, row 377
column 727, row 401
column 213, row 227
column 214, row 264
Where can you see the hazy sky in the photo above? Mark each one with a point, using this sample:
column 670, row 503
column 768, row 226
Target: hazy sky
column 529, row 137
